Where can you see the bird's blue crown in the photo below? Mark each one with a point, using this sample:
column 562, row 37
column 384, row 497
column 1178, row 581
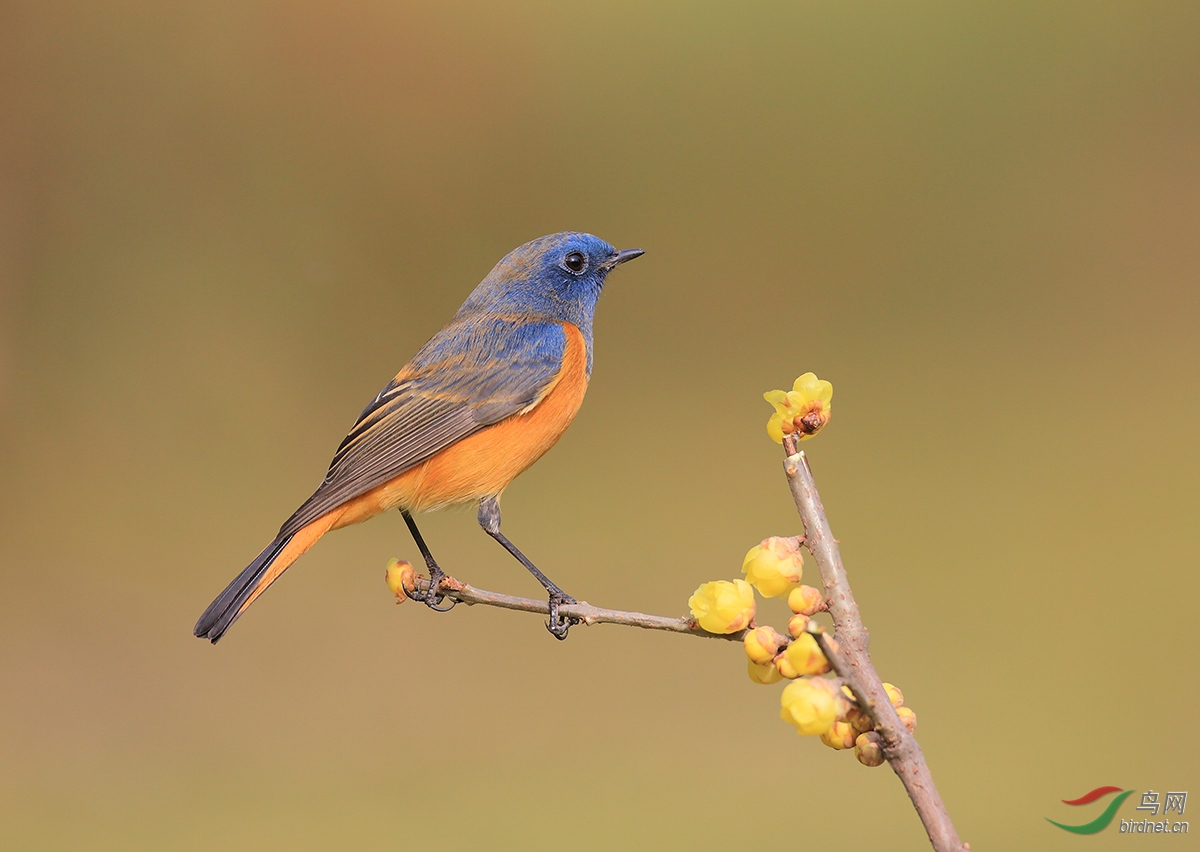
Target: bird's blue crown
column 556, row 277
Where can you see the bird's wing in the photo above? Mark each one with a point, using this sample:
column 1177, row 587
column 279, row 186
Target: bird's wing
column 473, row 373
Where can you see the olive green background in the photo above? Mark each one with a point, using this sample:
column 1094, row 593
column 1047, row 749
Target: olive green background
column 225, row 225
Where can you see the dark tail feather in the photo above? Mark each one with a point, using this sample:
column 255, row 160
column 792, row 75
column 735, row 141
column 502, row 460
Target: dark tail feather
column 225, row 610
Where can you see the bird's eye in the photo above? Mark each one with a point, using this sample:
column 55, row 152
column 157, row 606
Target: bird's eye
column 575, row 262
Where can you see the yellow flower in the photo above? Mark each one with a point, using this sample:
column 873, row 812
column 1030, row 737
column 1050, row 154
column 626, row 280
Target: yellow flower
column 774, row 566
column 858, row 720
column 785, row 667
column 805, row 600
column 839, row 736
column 723, row 606
column 894, row 695
column 398, row 576
column 804, row 409
column 797, row 625
column 810, row 705
column 868, row 748
column 762, row 644
column 908, row 717
column 805, row 657
column 763, row 673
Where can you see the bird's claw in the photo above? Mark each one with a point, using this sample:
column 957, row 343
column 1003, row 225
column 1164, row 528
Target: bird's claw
column 558, row 625
column 432, row 596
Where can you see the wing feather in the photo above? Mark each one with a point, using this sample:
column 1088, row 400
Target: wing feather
column 474, row 373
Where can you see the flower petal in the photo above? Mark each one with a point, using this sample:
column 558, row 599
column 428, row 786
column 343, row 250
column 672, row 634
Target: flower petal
column 775, row 428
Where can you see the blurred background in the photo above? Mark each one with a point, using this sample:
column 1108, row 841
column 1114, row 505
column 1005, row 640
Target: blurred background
column 225, row 225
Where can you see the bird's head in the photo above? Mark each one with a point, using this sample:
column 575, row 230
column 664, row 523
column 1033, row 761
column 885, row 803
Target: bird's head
column 558, row 277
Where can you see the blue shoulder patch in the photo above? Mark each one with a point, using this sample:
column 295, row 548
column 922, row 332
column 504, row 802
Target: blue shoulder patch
column 495, row 365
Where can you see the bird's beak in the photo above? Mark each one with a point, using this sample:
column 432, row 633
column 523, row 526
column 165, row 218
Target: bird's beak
column 622, row 256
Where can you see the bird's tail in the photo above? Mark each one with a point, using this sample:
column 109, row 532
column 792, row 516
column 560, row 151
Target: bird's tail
column 276, row 558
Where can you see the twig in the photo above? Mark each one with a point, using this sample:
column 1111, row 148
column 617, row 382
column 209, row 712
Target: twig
column 853, row 663
column 585, row 612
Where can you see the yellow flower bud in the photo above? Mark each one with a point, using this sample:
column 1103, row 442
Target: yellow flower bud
column 805, row 409
column 806, row 600
column 785, row 667
column 805, row 656
column 839, row 736
column 868, row 748
column 764, row 673
column 859, row 720
column 908, row 717
column 810, row 704
column 843, row 704
column 399, row 576
column 894, row 695
column 723, row 606
column 774, row 566
column 762, row 644
column 797, row 625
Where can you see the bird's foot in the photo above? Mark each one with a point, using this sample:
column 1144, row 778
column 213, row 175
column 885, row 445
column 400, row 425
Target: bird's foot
column 559, row 624
column 431, row 595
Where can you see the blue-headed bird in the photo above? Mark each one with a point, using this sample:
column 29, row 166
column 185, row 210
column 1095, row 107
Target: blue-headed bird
column 477, row 405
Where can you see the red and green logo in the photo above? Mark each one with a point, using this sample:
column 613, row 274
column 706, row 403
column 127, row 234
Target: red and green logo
column 1101, row 822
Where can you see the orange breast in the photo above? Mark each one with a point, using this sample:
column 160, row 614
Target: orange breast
column 485, row 463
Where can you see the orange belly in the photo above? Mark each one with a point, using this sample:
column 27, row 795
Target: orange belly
column 485, row 463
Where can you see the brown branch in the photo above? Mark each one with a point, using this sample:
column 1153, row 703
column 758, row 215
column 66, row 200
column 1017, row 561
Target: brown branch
column 853, row 663
column 585, row 612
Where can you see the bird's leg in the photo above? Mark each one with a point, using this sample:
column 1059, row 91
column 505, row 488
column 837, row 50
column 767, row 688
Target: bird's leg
column 430, row 596
column 489, row 519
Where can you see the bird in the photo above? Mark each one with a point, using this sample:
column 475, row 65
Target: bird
column 478, row 404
